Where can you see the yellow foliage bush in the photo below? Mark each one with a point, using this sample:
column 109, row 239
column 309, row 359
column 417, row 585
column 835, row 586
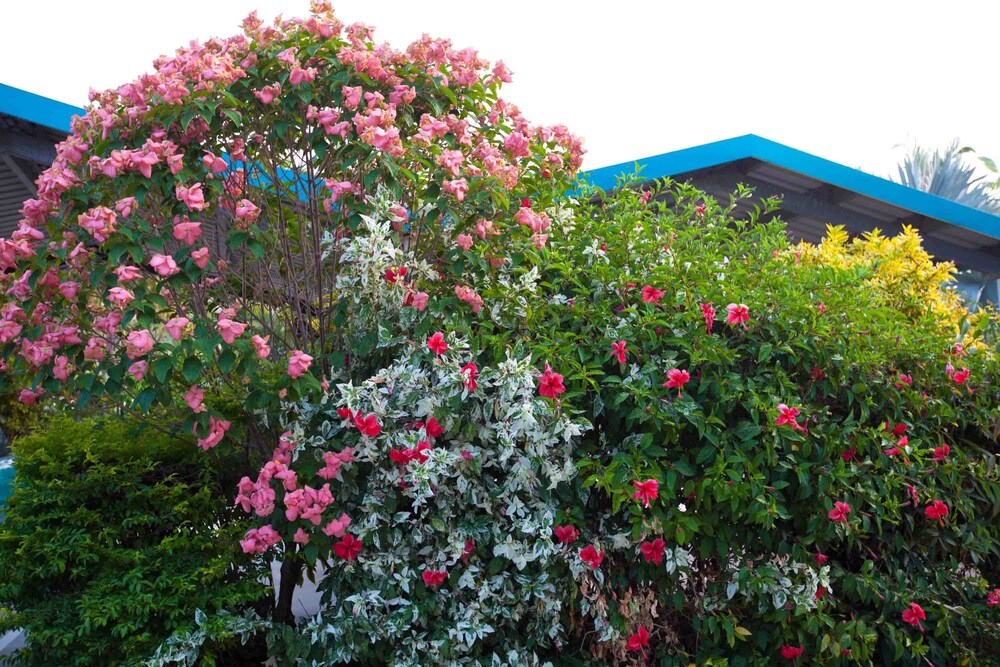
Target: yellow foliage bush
column 901, row 274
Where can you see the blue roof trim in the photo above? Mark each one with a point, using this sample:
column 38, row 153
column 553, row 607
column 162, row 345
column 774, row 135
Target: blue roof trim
column 752, row 146
column 37, row 109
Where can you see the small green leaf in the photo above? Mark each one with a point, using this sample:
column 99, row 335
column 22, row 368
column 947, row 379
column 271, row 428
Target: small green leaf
column 161, row 368
column 191, row 369
column 226, row 361
column 145, row 398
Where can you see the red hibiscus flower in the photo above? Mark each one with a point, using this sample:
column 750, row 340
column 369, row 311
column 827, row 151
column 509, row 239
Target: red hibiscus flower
column 347, row 548
column 788, row 415
column 591, row 556
column 404, row 456
column 942, row 452
column 437, row 344
column 470, row 372
column 368, row 425
column 651, row 295
column 738, row 313
column 550, row 384
column 898, row 429
column 993, row 597
column 434, row 578
column 936, row 510
column 791, row 652
column 566, row 534
column 646, row 491
column 914, row 615
column 677, row 378
column 618, row 351
column 839, row 512
column 652, row 552
column 433, row 428
column 393, row 274
column 962, row 376
column 708, row 312
column 639, row 641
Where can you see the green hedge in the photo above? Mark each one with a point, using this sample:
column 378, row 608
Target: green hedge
column 115, row 535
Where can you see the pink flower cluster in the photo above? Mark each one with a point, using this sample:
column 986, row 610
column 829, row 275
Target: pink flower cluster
column 308, row 503
column 259, row 540
column 216, row 432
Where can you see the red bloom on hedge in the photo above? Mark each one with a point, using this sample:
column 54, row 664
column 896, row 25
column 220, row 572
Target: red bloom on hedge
column 849, row 454
column 470, row 372
column 962, row 376
column 738, row 314
column 566, row 534
column 914, row 615
column 708, row 312
column 898, row 429
column 791, row 652
column 550, row 384
column 434, row 578
column 677, row 378
column 393, row 274
column 936, row 510
column 839, row 512
column 942, row 452
column 639, row 641
column 347, row 548
column 437, row 344
column 618, row 351
column 368, row 425
column 591, row 556
column 651, row 295
column 433, row 428
column 820, row 558
column 404, row 456
column 787, row 415
column 653, row 551
column 646, row 491
column 993, row 597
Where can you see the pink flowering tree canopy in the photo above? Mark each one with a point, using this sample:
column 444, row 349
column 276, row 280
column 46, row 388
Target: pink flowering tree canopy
column 192, row 232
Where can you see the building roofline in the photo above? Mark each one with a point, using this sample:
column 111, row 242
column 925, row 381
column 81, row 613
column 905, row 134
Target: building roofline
column 752, row 146
column 37, row 109
column 58, row 116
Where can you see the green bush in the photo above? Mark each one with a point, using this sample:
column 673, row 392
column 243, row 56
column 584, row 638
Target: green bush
column 115, row 535
column 749, row 557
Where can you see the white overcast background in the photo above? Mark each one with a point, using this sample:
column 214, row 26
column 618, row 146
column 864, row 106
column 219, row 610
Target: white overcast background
column 848, row 81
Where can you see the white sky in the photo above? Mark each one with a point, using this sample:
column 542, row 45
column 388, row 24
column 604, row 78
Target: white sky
column 849, row 81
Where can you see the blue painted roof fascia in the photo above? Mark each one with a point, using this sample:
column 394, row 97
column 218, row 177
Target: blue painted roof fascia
column 752, row 146
column 676, row 162
column 37, row 109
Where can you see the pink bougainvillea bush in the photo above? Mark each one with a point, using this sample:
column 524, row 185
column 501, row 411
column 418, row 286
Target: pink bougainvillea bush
column 507, row 425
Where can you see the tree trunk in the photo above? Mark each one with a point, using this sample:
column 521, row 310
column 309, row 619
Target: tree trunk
column 290, row 570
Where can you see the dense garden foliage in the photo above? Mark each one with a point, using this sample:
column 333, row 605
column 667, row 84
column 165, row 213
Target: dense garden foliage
column 114, row 537
column 512, row 426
